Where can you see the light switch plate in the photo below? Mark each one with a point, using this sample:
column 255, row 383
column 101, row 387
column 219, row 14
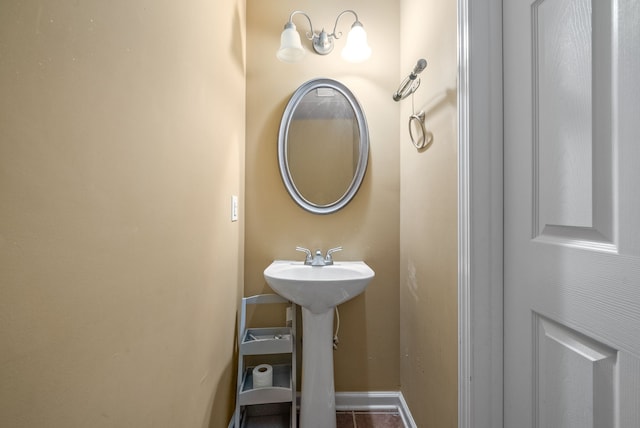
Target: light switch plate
column 234, row 208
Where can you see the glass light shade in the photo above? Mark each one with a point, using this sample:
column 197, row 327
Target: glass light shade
column 291, row 49
column 357, row 49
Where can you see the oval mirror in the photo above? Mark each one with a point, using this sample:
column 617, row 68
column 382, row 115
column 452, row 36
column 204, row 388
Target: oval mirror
column 323, row 146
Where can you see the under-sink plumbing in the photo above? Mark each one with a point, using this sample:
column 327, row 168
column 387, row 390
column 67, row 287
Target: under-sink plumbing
column 318, row 259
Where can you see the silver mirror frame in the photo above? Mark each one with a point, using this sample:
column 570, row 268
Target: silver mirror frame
column 363, row 155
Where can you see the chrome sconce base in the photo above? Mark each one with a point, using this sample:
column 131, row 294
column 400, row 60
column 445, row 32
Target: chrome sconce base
column 323, row 43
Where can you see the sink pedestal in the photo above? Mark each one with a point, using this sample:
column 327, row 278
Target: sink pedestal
column 318, row 290
column 318, row 401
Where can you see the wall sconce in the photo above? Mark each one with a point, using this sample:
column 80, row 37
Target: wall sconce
column 356, row 50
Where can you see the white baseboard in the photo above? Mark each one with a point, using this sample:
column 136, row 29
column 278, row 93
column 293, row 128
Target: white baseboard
column 376, row 400
column 372, row 401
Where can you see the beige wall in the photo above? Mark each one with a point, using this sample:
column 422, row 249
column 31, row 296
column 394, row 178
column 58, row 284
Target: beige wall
column 121, row 143
column 428, row 261
column 368, row 228
column 122, row 139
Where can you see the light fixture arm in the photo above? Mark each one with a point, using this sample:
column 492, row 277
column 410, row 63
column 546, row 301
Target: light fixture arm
column 339, row 34
column 309, row 34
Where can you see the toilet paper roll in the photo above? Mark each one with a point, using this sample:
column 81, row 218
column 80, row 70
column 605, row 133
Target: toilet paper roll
column 262, row 376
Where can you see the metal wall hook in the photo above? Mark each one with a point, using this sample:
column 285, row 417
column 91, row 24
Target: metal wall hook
column 411, row 83
column 420, row 137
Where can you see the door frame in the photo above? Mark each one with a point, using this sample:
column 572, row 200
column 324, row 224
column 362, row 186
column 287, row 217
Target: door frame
column 480, row 221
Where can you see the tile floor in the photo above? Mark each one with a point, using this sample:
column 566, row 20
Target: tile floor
column 344, row 419
column 376, row 419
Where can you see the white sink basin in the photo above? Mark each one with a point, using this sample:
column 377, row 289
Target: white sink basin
column 318, row 288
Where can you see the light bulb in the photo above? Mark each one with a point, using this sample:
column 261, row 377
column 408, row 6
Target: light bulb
column 357, row 49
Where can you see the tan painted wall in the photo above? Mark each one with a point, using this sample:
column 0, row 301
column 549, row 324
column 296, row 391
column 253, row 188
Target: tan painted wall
column 122, row 140
column 368, row 228
column 121, row 143
column 428, row 260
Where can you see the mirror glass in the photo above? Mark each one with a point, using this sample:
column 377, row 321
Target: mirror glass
column 323, row 146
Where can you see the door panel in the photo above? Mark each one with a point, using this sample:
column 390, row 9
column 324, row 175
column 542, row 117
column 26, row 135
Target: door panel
column 562, row 111
column 572, row 213
column 575, row 382
column 572, row 159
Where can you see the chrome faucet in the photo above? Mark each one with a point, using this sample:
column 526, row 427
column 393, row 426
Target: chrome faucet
column 309, row 258
column 317, row 259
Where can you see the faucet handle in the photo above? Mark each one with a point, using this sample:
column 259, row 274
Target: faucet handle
column 331, row 251
column 307, row 251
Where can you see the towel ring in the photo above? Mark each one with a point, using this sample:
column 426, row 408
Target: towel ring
column 421, row 138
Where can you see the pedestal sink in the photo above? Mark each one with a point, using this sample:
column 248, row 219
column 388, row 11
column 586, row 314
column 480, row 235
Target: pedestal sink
column 318, row 289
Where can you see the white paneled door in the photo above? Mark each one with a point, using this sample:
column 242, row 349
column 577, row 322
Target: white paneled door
column 572, row 213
